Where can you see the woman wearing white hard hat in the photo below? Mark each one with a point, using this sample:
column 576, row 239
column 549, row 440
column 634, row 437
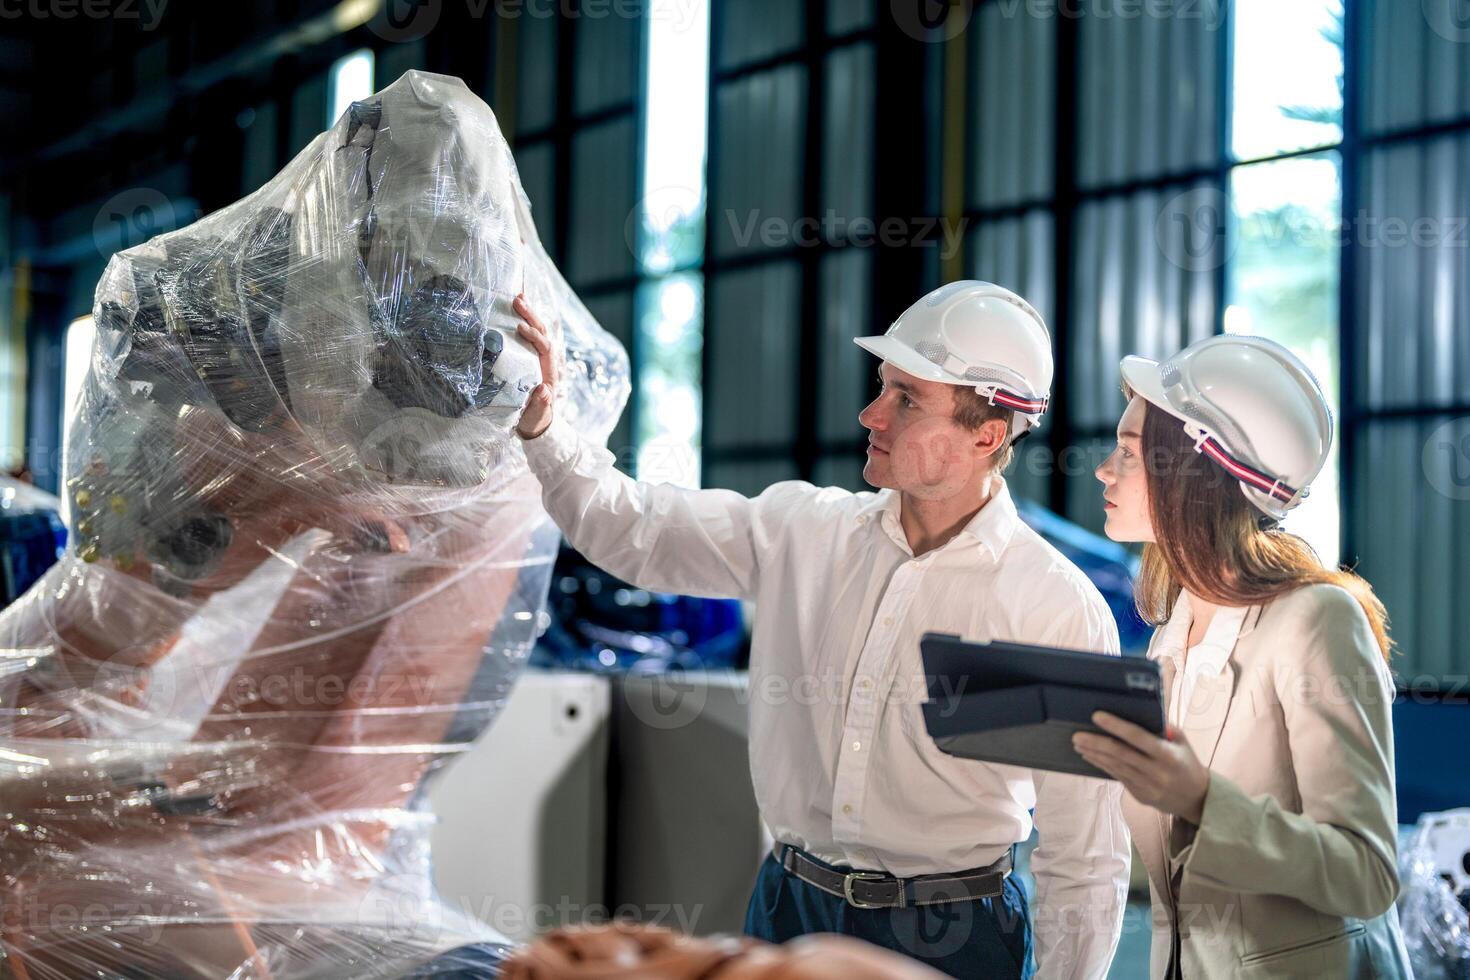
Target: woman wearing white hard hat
column 1266, row 817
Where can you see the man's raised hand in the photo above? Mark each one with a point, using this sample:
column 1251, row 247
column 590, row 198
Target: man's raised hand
column 540, row 406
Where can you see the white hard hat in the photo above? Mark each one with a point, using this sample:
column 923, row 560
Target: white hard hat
column 1250, row 405
column 979, row 335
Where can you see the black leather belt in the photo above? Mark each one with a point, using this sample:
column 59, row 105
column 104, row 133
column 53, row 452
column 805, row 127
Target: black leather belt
column 875, row 890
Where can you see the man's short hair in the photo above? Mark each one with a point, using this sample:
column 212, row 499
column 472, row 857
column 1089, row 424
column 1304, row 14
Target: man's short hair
column 972, row 410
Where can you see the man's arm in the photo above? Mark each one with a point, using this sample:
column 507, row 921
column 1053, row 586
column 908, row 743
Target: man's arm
column 659, row 537
column 1082, row 854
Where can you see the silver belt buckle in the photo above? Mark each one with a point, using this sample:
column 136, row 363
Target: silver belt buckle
column 852, row 876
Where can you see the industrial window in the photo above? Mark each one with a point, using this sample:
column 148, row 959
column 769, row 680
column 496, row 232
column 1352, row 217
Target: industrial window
column 1149, row 176
column 1283, row 250
column 1406, row 326
column 789, row 262
column 668, row 239
column 351, row 80
column 575, row 123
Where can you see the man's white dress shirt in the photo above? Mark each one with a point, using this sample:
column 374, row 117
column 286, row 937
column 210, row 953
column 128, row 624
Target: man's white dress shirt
column 841, row 762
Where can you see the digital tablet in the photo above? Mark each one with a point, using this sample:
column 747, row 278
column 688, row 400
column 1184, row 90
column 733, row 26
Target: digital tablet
column 1020, row 704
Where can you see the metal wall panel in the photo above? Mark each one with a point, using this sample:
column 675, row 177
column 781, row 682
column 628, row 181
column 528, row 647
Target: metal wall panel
column 749, row 478
column 1410, row 503
column 1084, row 492
column 393, row 60
column 1148, row 92
column 1413, row 282
column 761, row 121
column 609, row 48
column 752, row 331
column 536, row 63
column 847, row 139
column 308, row 112
column 615, row 312
column 150, row 66
column 843, row 368
column 1030, row 473
column 1012, row 99
column 753, row 30
column 1416, row 63
column 1143, row 284
column 1016, row 253
column 845, row 471
column 603, row 196
column 537, row 164
column 846, row 16
column 1413, row 530
column 260, row 161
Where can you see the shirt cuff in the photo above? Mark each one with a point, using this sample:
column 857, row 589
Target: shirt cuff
column 553, row 450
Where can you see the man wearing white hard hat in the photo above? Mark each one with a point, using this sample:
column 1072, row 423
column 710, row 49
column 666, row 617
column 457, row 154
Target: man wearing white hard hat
column 879, row 834
column 1265, row 816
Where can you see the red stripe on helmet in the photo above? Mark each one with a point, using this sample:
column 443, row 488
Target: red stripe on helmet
column 1261, row 481
column 1027, row 405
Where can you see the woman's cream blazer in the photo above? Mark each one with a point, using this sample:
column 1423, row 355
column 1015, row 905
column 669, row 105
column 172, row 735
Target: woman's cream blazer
column 1292, row 869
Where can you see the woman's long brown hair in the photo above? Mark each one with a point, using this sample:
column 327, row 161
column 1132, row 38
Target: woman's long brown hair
column 1212, row 541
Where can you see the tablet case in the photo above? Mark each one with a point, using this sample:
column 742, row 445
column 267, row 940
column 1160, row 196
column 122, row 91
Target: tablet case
column 1020, row 705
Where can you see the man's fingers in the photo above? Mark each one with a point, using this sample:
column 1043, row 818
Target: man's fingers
column 542, row 347
column 535, row 333
column 524, row 309
column 540, row 397
column 539, row 343
column 536, row 416
column 534, row 337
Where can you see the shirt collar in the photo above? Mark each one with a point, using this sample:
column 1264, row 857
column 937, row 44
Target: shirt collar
column 991, row 528
column 993, row 525
column 1210, row 654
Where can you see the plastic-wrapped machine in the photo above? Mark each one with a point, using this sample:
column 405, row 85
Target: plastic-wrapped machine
column 1434, row 903
column 308, row 561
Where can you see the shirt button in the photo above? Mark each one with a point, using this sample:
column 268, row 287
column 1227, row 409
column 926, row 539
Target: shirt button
column 887, row 620
column 862, row 520
column 847, row 808
column 857, row 746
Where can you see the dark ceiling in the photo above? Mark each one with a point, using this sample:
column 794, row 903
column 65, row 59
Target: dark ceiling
column 93, row 103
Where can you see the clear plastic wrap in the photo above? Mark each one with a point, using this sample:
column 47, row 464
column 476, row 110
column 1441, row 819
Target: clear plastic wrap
column 1434, row 903
column 308, row 561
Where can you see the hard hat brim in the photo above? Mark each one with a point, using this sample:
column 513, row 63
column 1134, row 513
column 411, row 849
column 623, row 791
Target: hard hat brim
column 1142, row 375
column 904, row 358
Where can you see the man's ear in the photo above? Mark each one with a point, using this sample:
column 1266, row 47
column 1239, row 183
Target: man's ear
column 991, row 436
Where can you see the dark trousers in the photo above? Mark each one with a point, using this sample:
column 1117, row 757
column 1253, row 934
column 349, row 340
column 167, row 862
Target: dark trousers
column 984, row 938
